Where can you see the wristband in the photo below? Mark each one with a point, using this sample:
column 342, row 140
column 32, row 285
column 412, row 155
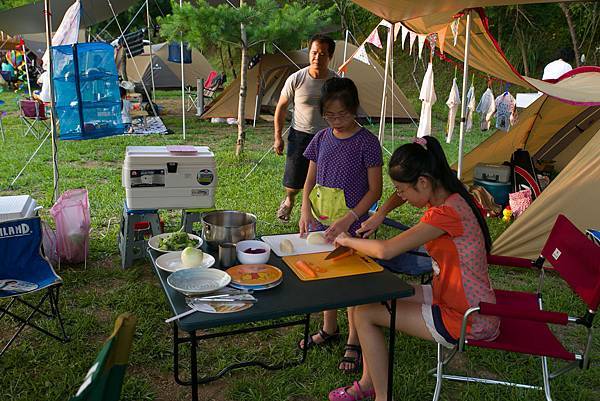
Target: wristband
column 356, row 217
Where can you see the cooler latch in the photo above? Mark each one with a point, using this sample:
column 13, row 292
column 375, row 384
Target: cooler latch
column 172, row 167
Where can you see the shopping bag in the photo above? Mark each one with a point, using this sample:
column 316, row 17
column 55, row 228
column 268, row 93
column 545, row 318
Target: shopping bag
column 71, row 215
column 519, row 201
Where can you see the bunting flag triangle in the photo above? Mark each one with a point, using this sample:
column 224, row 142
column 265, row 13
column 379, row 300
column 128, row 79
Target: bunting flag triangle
column 404, row 33
column 361, row 55
column 374, row 38
column 412, row 36
column 441, row 34
column 421, row 43
column 385, row 23
column 397, row 27
column 454, row 29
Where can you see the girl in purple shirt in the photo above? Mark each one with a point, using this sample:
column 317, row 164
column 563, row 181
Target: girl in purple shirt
column 344, row 180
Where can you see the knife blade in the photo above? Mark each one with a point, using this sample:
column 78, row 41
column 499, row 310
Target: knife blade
column 339, row 251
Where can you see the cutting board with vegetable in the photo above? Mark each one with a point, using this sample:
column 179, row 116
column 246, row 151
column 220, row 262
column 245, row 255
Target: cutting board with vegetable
column 298, row 245
column 313, row 266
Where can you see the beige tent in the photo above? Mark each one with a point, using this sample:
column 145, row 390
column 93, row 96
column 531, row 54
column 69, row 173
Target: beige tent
column 267, row 78
column 166, row 73
column 549, row 130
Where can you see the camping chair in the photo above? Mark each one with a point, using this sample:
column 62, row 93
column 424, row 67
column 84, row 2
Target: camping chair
column 212, row 84
column 104, row 380
column 524, row 324
column 27, row 279
column 33, row 115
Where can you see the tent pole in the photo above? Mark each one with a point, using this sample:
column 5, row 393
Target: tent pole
column 48, row 20
column 345, row 49
column 392, row 87
column 388, row 51
column 182, row 81
column 151, row 55
column 463, row 105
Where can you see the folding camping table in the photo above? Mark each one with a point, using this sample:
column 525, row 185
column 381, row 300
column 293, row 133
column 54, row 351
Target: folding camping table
column 292, row 297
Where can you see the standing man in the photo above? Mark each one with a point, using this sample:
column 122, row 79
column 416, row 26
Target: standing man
column 303, row 89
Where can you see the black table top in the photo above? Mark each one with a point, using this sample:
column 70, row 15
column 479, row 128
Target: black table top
column 292, row 296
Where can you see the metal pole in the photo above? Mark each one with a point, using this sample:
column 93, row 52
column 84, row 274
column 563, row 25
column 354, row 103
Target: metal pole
column 26, row 69
column 182, row 81
column 388, row 52
column 48, row 20
column 463, row 105
column 199, row 96
column 151, row 55
column 345, row 49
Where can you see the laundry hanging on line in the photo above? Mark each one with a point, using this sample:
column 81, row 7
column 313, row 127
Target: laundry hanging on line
column 506, row 111
column 134, row 42
column 453, row 102
column 486, row 109
column 428, row 97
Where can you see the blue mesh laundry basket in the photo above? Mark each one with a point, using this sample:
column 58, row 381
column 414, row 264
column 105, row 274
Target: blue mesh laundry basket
column 175, row 53
column 86, row 91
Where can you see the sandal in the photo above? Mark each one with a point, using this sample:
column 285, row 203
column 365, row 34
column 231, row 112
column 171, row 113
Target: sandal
column 355, row 361
column 341, row 394
column 284, row 211
column 327, row 338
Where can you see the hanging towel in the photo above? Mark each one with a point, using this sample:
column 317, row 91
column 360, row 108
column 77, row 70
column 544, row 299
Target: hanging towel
column 453, row 102
column 470, row 108
column 506, row 111
column 134, row 41
column 486, row 109
column 428, row 97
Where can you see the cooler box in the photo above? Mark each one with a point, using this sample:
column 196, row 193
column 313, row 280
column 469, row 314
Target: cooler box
column 492, row 172
column 499, row 190
column 17, row 207
column 169, row 177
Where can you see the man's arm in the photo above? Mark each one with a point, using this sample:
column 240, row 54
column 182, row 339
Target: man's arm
column 279, row 122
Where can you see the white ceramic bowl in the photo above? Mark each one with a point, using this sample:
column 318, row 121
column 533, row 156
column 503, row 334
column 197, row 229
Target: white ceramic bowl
column 153, row 242
column 252, row 258
column 171, row 262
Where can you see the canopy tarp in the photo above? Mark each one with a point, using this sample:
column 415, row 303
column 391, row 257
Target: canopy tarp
column 267, row 79
column 30, row 18
column 402, row 10
column 579, row 86
column 166, row 73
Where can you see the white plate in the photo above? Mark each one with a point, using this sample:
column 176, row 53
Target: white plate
column 218, row 307
column 300, row 245
column 153, row 242
column 198, row 281
column 171, row 262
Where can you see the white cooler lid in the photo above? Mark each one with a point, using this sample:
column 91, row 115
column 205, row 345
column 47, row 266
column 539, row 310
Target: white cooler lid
column 17, row 207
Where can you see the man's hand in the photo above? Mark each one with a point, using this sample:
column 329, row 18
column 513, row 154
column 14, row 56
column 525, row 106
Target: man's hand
column 278, row 145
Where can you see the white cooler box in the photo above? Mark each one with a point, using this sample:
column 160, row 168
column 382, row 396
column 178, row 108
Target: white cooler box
column 17, row 207
column 492, row 172
column 165, row 177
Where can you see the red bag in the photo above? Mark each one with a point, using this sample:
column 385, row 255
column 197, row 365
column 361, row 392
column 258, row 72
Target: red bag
column 519, row 201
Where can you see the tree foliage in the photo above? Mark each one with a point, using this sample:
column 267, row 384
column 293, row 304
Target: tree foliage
column 204, row 26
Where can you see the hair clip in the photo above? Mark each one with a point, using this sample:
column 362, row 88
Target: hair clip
column 421, row 141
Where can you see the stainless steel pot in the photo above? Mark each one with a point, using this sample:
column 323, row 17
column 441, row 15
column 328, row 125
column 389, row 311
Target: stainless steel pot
column 223, row 226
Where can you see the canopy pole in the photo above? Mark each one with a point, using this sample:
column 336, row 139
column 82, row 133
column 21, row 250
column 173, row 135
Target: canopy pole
column 48, row 20
column 388, row 52
column 463, row 105
column 345, row 49
column 182, row 81
column 26, row 68
column 151, row 55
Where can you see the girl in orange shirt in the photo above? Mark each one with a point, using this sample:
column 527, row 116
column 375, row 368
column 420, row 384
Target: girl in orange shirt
column 456, row 237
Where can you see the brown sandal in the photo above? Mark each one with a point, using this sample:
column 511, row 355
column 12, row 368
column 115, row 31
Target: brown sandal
column 355, row 361
column 284, row 211
column 325, row 336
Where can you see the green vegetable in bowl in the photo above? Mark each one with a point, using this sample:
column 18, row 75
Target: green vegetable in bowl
column 176, row 242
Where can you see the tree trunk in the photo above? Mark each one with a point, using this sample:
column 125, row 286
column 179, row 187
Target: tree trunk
column 222, row 59
column 567, row 12
column 521, row 40
column 124, row 65
column 241, row 123
column 231, row 62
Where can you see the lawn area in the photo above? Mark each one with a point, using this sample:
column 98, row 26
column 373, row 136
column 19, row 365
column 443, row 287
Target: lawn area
column 38, row 368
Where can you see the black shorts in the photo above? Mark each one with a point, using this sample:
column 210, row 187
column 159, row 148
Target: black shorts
column 296, row 165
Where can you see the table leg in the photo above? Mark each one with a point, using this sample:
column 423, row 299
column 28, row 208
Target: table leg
column 306, row 330
column 194, row 366
column 391, row 350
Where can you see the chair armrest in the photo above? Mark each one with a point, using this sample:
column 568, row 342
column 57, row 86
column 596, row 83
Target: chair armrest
column 511, row 261
column 541, row 316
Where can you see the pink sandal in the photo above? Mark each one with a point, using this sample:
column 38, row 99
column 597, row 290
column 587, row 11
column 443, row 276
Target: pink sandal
column 341, row 394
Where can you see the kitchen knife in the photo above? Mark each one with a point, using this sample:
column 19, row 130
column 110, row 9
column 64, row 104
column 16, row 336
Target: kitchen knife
column 339, row 251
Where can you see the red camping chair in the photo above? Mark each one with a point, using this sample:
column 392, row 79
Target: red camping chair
column 33, row 115
column 524, row 326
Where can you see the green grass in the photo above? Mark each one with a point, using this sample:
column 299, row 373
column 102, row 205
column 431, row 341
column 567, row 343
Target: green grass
column 37, row 368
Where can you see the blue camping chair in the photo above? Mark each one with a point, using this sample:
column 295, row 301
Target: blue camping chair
column 27, row 278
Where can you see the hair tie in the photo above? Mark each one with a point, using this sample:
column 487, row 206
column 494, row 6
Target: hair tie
column 421, row 141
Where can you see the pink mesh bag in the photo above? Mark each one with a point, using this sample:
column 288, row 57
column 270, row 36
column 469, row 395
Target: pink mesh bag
column 71, row 215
